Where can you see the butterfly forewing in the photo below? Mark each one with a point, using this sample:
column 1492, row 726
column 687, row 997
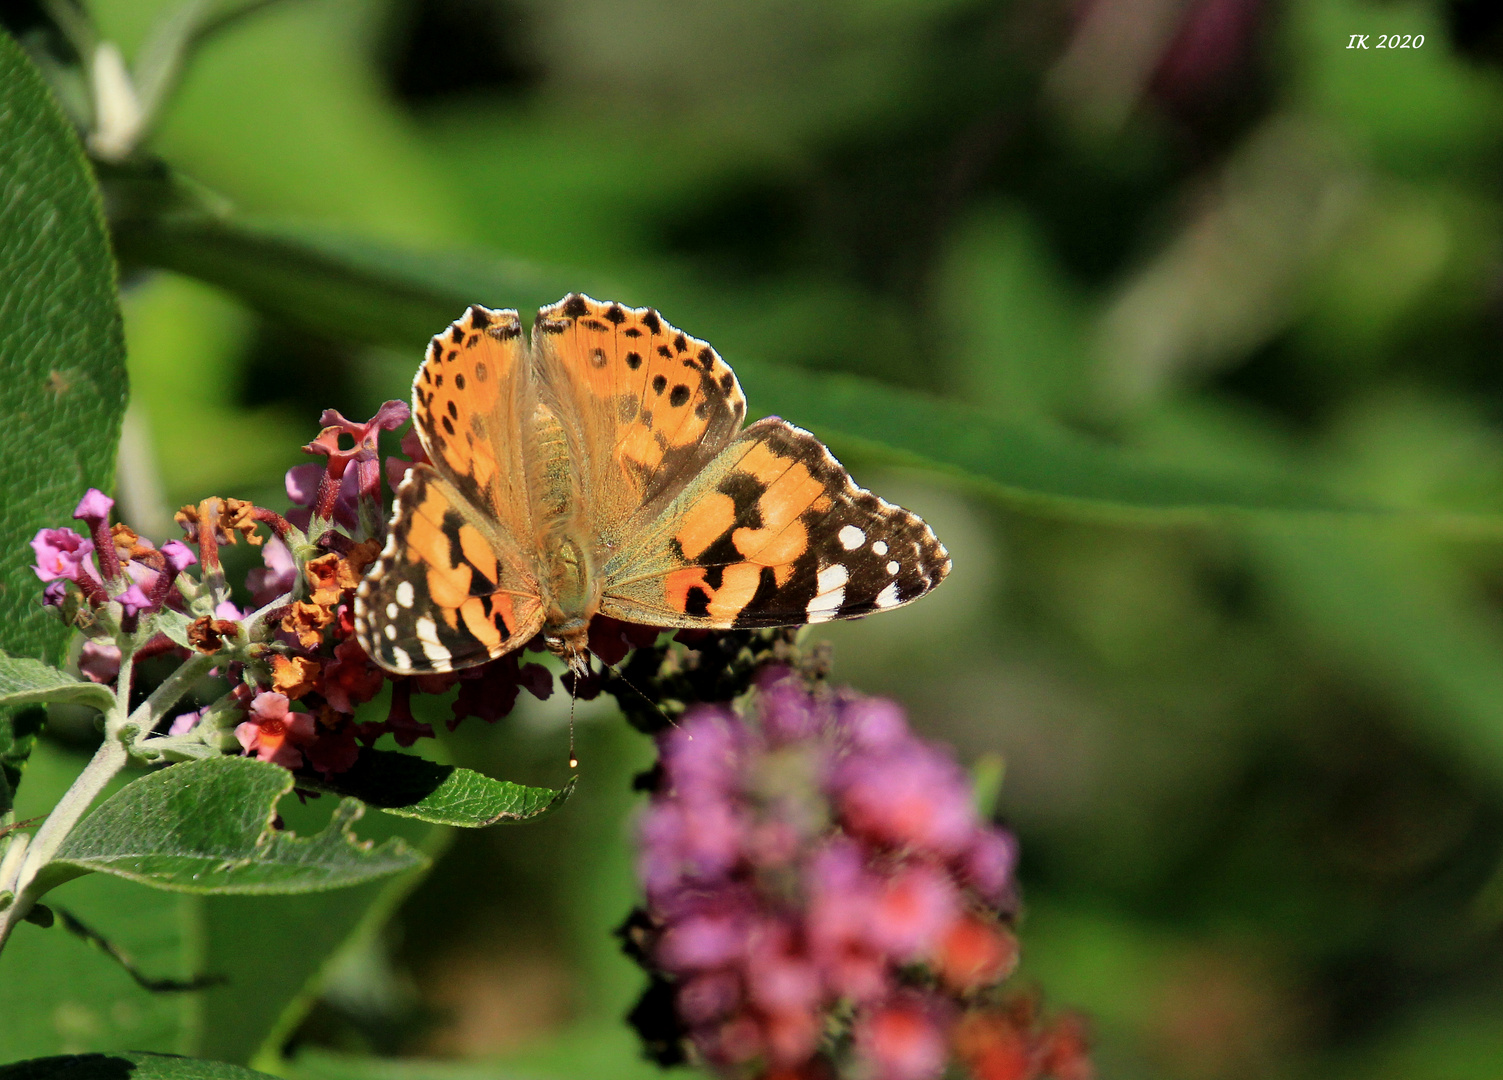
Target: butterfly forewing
column 651, row 405
column 773, row 532
column 447, row 591
column 457, row 582
column 472, row 403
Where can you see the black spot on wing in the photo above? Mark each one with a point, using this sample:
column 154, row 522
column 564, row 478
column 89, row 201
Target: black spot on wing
column 574, row 306
column 615, row 314
column 652, row 322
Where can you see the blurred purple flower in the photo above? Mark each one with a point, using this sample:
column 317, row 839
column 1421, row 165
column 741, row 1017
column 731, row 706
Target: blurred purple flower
column 135, row 601
column 185, row 722
column 99, row 661
column 276, row 578
column 810, row 854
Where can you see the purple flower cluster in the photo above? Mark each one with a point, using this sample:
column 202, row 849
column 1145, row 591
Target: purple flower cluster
column 297, row 674
column 816, row 860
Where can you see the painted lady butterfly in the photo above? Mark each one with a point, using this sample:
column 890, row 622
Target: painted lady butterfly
column 605, row 470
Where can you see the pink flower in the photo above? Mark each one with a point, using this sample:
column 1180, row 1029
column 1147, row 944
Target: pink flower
column 703, row 942
column 914, row 909
column 94, row 508
column 909, row 795
column 99, row 661
column 350, row 678
column 135, row 600
column 363, row 498
column 61, row 553
column 185, row 722
column 180, row 556
column 902, row 1041
column 274, row 579
column 276, row 733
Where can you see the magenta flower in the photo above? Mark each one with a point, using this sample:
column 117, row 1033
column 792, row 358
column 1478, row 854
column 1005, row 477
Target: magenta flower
column 274, row 579
column 365, row 493
column 61, row 553
column 274, row 732
column 789, row 896
column 94, row 508
column 179, row 555
column 99, row 661
column 135, row 601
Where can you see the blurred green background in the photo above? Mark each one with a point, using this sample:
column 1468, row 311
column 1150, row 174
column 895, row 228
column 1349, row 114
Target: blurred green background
column 1256, row 766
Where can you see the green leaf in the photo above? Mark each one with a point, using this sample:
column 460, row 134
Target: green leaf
column 64, row 347
column 64, row 354
column 24, row 681
column 299, row 939
column 384, row 296
column 378, row 294
column 410, row 786
column 58, row 995
column 206, row 827
column 130, row 1065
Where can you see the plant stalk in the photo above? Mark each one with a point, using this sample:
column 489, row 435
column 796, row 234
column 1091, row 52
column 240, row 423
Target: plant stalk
column 102, row 768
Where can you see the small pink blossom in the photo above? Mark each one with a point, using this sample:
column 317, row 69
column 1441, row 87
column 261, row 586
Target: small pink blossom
column 99, row 661
column 274, row 732
column 94, row 508
column 61, row 553
column 276, row 578
column 185, row 722
column 179, row 555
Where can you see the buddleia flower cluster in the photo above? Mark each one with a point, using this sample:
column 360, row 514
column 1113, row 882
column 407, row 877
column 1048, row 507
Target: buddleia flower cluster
column 296, row 674
column 823, row 899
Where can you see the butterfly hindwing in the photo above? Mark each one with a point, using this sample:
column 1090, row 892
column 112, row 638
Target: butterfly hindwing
column 651, row 405
column 773, row 532
column 449, row 590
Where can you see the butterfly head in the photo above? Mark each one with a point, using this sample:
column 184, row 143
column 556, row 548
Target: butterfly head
column 570, row 642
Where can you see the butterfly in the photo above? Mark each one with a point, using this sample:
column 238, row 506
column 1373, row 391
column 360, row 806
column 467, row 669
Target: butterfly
column 602, row 468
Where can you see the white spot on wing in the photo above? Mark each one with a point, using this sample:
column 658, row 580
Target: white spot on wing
column 893, row 567
column 404, row 593
column 433, row 649
column 401, row 659
column 879, row 547
column 850, row 537
column 392, row 609
column 831, row 584
column 888, row 597
column 391, row 631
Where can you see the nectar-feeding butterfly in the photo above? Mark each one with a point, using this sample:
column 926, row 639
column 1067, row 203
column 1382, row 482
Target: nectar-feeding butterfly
column 603, row 469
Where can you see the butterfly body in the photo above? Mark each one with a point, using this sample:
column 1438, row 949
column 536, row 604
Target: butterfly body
column 604, row 470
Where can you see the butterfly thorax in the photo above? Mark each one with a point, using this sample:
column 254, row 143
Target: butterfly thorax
column 573, row 597
column 570, row 589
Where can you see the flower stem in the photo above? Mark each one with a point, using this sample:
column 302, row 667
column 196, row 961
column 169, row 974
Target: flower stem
column 107, row 761
column 164, row 697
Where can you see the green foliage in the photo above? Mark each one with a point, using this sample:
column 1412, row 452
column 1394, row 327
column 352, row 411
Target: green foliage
column 61, row 337
column 30, row 682
column 391, row 297
column 64, row 354
column 208, row 827
column 409, row 786
column 129, row 1065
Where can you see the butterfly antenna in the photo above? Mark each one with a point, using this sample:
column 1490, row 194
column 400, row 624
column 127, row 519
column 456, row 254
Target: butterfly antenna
column 616, row 671
column 580, row 666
